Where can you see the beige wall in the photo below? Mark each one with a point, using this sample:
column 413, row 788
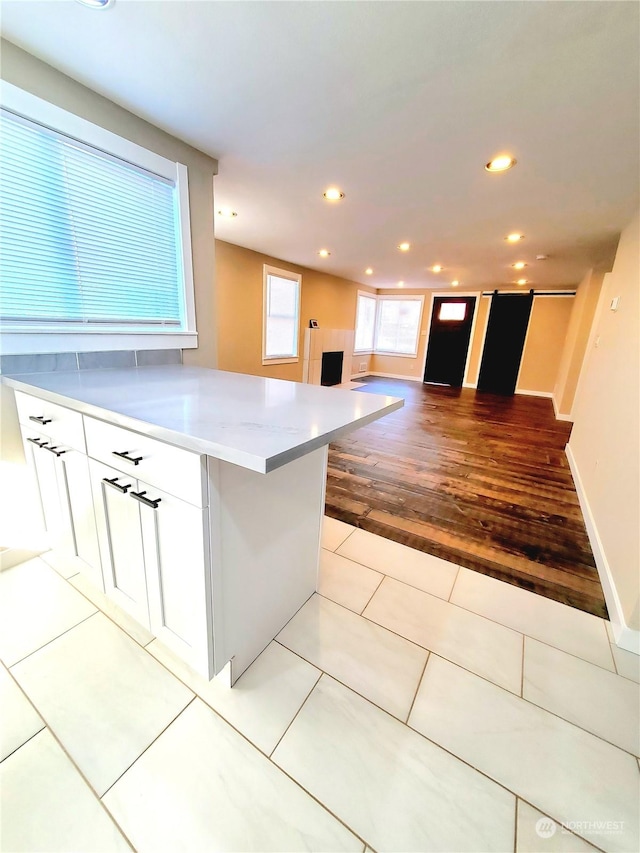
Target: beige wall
column 32, row 75
column 239, row 282
column 580, row 324
column 544, row 343
column 605, row 437
column 477, row 342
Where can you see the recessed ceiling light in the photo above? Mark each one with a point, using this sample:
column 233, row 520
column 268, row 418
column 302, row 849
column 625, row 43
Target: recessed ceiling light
column 97, row 4
column 514, row 238
column 333, row 194
column 401, row 284
column 522, row 281
column 324, row 253
column 455, row 283
column 227, row 212
column 368, row 271
column 404, row 247
column 437, row 268
column 519, row 265
column 500, row 163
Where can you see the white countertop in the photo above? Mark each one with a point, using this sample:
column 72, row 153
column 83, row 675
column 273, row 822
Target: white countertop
column 252, row 421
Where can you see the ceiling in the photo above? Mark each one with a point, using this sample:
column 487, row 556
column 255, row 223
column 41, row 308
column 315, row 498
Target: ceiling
column 400, row 104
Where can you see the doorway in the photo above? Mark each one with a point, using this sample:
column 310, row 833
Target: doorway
column 504, row 342
column 449, row 335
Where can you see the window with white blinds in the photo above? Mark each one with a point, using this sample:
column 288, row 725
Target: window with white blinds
column 88, row 241
column 281, row 313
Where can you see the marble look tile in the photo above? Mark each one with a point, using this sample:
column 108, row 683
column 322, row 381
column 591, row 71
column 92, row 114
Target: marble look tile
column 345, row 582
column 394, row 788
column 593, row 698
column 484, row 647
column 109, row 359
column 564, row 771
column 128, row 624
column 412, row 567
column 556, row 624
column 627, row 663
column 18, row 719
column 103, row 696
column 47, row 805
column 202, row 786
column 152, row 357
column 36, row 605
column 334, row 532
column 537, row 833
column 263, row 701
column 42, row 363
column 62, row 565
column 369, row 659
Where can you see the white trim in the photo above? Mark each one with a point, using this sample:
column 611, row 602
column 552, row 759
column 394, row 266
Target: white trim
column 525, row 393
column 184, row 244
column 36, row 109
column 526, row 339
column 393, row 376
column 19, row 343
column 406, row 298
column 482, row 343
column 449, row 295
column 625, row 637
column 295, row 277
column 469, row 385
column 559, row 417
column 368, row 295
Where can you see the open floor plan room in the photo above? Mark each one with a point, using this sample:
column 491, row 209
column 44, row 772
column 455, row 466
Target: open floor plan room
column 385, row 716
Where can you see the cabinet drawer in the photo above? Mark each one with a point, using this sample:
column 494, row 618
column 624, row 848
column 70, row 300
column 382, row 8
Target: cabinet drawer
column 58, row 423
column 172, row 469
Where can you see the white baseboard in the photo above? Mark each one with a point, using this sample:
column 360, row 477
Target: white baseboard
column 526, row 393
column 11, row 557
column 394, row 376
column 559, row 417
column 359, row 375
column 469, row 385
column 625, row 637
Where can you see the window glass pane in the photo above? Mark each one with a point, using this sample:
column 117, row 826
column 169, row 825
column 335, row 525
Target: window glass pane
column 365, row 323
column 452, row 311
column 85, row 238
column 281, row 322
column 398, row 325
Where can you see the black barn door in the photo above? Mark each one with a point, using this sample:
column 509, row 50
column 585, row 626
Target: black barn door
column 449, row 335
column 504, row 342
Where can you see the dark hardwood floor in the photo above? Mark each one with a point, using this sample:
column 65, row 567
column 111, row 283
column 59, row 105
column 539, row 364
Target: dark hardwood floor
column 475, row 478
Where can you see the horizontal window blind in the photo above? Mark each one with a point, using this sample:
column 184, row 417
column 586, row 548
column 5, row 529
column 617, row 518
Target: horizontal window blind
column 86, row 239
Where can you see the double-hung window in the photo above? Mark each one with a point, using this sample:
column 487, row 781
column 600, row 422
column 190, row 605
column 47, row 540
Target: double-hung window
column 365, row 322
column 280, row 316
column 90, row 240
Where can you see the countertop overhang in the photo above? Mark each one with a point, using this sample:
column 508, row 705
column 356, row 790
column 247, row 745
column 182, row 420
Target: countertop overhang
column 251, row 421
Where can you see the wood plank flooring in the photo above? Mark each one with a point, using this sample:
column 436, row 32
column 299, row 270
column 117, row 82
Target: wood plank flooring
column 475, row 478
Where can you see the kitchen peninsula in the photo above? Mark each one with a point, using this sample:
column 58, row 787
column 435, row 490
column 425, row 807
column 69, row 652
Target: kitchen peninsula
column 194, row 498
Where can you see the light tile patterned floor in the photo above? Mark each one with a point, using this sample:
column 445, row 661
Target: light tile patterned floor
column 410, row 706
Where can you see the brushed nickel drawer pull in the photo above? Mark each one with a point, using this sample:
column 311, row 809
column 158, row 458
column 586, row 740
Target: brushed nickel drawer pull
column 125, row 455
column 115, row 485
column 40, row 419
column 140, row 496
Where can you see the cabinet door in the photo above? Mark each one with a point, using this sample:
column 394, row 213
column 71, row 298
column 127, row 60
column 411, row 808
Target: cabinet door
column 42, row 464
column 120, row 539
column 175, row 536
column 75, row 486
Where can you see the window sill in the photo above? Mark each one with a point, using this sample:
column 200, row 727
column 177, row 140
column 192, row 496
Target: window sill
column 396, row 354
column 266, row 361
column 33, row 343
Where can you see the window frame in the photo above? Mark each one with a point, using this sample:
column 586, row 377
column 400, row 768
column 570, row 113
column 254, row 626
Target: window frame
column 54, row 339
column 366, row 295
column 267, row 271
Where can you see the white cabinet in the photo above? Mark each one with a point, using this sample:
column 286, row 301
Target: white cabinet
column 61, row 477
column 155, row 557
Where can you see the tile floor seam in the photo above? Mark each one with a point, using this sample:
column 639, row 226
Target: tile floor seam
column 48, row 643
column 415, row 695
column 455, row 581
column 584, row 660
column 149, row 745
column 555, row 820
column 371, row 596
column 501, row 624
column 524, row 640
column 515, row 827
column 31, row 737
column 76, row 767
column 291, row 722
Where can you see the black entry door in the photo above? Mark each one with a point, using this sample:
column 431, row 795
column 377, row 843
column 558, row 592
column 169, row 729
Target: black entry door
column 449, row 335
column 504, row 342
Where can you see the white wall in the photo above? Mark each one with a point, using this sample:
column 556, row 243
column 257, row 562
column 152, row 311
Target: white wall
column 604, row 448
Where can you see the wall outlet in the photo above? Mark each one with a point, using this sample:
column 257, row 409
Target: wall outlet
column 363, row 366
